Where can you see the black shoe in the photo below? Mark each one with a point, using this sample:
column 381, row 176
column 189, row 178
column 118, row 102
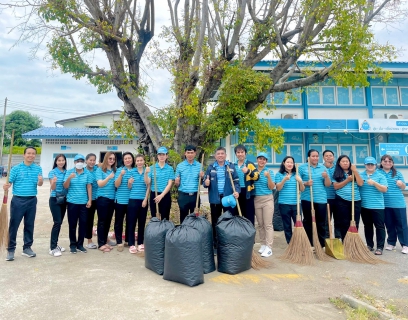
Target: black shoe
column 73, row 250
column 81, row 249
column 370, row 248
column 10, row 256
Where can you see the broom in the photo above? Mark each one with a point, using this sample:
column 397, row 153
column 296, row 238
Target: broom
column 155, row 188
column 354, row 248
column 298, row 250
column 257, row 262
column 316, row 243
column 4, row 209
column 197, row 209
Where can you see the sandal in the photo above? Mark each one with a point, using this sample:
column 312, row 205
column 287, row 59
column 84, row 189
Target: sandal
column 378, row 252
column 132, row 249
column 140, row 248
column 104, row 248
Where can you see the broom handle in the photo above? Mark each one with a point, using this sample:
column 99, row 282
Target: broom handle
column 329, row 221
column 352, row 197
column 297, row 192
column 155, row 186
column 9, row 163
column 199, row 180
column 233, row 189
column 311, row 189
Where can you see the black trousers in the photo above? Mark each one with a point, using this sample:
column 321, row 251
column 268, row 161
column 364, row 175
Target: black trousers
column 187, row 203
column 247, row 205
column 216, row 211
column 164, row 205
column 76, row 217
column 342, row 215
column 333, row 208
column 58, row 214
column 105, row 208
column 396, row 224
column 22, row 207
column 90, row 220
column 288, row 214
column 371, row 218
column 136, row 214
column 120, row 213
column 321, row 220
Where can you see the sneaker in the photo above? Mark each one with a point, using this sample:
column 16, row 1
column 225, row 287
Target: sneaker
column 10, row 256
column 28, row 253
column 263, row 247
column 91, row 246
column 55, row 252
column 132, row 249
column 389, row 247
column 81, row 249
column 404, row 250
column 73, row 250
column 62, row 249
column 267, row 252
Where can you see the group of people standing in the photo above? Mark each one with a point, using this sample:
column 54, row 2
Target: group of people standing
column 127, row 191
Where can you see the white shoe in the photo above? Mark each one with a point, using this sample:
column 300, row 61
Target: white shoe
column 267, row 252
column 91, row 246
column 389, row 247
column 404, row 250
column 56, row 252
column 62, row 249
column 263, row 247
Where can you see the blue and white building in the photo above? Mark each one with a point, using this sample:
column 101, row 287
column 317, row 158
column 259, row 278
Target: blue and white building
column 345, row 120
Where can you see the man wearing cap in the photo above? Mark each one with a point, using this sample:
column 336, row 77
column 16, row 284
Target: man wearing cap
column 79, row 198
column 164, row 178
column 25, row 177
column 218, row 182
column 187, row 175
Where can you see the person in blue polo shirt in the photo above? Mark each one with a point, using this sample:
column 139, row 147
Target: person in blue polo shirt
column 218, row 182
column 122, row 196
column 395, row 211
column 90, row 160
column 25, row 177
column 164, row 179
column 248, row 174
column 264, row 204
column 319, row 181
column 187, row 175
column 105, row 204
column 342, row 182
column 137, row 208
column 79, row 198
column 286, row 180
column 57, row 202
column 372, row 204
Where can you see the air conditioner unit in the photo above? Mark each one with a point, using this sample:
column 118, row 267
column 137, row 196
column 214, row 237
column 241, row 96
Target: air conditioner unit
column 214, row 96
column 289, row 116
column 393, row 116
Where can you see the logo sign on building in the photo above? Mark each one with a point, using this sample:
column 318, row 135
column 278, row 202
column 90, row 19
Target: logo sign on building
column 65, row 148
column 383, row 125
column 112, row 148
column 393, row 149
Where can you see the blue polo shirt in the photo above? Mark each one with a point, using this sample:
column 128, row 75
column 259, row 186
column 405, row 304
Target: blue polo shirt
column 163, row 175
column 221, row 173
column 25, row 179
column 189, row 175
column 319, row 189
column 331, row 193
column 393, row 198
column 346, row 192
column 77, row 191
column 261, row 185
column 139, row 188
column 60, row 181
column 94, row 183
column 371, row 198
column 107, row 191
column 241, row 175
column 287, row 195
column 123, row 192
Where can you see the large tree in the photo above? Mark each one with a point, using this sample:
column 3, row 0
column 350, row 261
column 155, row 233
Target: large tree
column 211, row 45
column 20, row 122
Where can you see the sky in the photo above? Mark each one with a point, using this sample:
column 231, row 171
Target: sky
column 30, row 84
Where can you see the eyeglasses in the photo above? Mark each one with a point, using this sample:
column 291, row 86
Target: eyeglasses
column 370, row 164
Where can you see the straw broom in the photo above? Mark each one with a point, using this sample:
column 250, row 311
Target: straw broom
column 299, row 249
column 257, row 262
column 354, row 248
column 155, row 188
column 197, row 209
column 4, row 208
column 316, row 243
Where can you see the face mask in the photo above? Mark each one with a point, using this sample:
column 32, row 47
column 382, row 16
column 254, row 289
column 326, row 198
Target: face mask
column 79, row 165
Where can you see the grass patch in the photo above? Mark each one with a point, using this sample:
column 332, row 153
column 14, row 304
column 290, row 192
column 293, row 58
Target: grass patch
column 353, row 314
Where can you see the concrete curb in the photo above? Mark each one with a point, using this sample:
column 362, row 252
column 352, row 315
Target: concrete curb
column 355, row 303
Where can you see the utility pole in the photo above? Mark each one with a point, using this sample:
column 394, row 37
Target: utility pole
column 2, row 133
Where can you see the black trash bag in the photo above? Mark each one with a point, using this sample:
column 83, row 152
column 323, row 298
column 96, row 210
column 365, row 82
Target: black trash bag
column 236, row 237
column 183, row 258
column 277, row 218
column 204, row 226
column 154, row 239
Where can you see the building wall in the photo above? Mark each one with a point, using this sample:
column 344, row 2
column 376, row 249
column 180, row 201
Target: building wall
column 102, row 120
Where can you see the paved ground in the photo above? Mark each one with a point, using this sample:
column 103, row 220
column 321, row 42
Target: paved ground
column 118, row 286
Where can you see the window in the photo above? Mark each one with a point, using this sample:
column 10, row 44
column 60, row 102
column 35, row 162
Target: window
column 111, row 142
column 391, row 138
column 66, row 141
column 388, row 96
column 330, row 95
column 404, row 96
column 292, row 97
